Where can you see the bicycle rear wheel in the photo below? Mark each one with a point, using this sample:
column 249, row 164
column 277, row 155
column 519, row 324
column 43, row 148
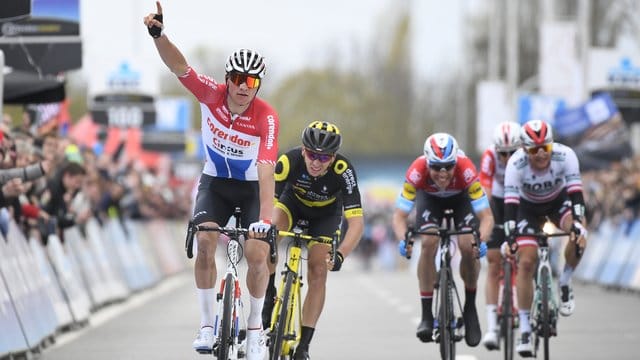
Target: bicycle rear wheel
column 226, row 321
column 545, row 318
column 446, row 321
column 507, row 313
column 278, row 336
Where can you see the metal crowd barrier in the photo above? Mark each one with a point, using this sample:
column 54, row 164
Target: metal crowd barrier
column 46, row 290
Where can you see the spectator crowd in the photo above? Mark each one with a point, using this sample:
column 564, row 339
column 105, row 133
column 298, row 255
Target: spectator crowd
column 49, row 183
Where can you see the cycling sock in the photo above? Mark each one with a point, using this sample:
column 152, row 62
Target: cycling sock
column 254, row 321
column 206, row 299
column 426, row 299
column 305, row 337
column 492, row 317
column 524, row 321
column 565, row 277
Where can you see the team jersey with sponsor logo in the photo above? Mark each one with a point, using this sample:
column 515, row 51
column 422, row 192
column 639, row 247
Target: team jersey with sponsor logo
column 492, row 172
column 465, row 179
column 541, row 186
column 234, row 143
column 340, row 182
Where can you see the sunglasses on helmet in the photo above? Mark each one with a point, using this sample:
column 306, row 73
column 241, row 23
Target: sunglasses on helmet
column 323, row 158
column 240, row 78
column 534, row 149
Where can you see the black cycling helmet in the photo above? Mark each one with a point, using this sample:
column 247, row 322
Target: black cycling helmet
column 322, row 137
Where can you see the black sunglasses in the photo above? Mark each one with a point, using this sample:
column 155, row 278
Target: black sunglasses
column 440, row 167
column 506, row 153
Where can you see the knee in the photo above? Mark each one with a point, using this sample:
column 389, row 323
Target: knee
column 317, row 275
column 206, row 249
column 526, row 265
column 256, row 253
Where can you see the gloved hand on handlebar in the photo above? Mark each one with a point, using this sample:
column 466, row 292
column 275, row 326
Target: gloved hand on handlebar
column 339, row 260
column 402, row 248
column 578, row 229
column 482, row 249
column 260, row 228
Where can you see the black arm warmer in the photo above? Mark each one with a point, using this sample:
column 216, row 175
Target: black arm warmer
column 577, row 205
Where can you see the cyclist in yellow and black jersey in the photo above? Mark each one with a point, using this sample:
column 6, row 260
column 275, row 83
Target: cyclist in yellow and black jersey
column 316, row 184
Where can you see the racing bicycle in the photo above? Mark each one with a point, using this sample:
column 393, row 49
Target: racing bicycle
column 545, row 305
column 448, row 324
column 230, row 326
column 286, row 317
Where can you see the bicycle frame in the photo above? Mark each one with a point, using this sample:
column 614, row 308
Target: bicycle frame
column 286, row 318
column 448, row 323
column 230, row 324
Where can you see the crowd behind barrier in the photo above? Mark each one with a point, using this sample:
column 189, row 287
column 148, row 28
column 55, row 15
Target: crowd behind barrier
column 79, row 229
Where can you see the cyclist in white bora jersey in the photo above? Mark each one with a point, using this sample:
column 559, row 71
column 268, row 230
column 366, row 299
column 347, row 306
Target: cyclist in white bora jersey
column 542, row 183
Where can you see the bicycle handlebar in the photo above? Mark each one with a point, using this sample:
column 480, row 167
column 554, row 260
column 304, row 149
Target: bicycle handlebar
column 542, row 237
column 441, row 232
column 333, row 241
column 232, row 232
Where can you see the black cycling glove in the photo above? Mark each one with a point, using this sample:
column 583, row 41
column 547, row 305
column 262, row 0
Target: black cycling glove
column 156, row 31
column 339, row 259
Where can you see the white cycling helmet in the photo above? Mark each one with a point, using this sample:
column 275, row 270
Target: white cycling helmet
column 506, row 136
column 441, row 149
column 246, row 61
column 536, row 133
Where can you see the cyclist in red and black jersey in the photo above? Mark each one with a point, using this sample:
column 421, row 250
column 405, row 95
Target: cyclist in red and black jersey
column 506, row 140
column 319, row 185
column 444, row 178
column 240, row 134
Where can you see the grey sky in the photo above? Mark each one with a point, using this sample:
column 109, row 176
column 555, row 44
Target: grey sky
column 292, row 34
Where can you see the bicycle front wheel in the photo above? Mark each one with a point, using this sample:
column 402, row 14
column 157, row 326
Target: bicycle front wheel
column 446, row 322
column 225, row 339
column 507, row 312
column 545, row 318
column 278, row 336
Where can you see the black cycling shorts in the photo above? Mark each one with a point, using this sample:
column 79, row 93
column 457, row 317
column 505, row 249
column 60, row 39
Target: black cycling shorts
column 497, row 235
column 533, row 216
column 322, row 221
column 217, row 199
column 430, row 211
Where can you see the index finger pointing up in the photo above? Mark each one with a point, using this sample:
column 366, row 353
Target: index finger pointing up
column 159, row 8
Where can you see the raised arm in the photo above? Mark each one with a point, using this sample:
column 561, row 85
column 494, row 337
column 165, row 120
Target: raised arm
column 169, row 53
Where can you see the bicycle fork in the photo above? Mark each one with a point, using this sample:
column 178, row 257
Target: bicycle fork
column 552, row 295
column 457, row 323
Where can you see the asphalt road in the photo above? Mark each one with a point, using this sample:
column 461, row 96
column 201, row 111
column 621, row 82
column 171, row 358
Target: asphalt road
column 367, row 315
